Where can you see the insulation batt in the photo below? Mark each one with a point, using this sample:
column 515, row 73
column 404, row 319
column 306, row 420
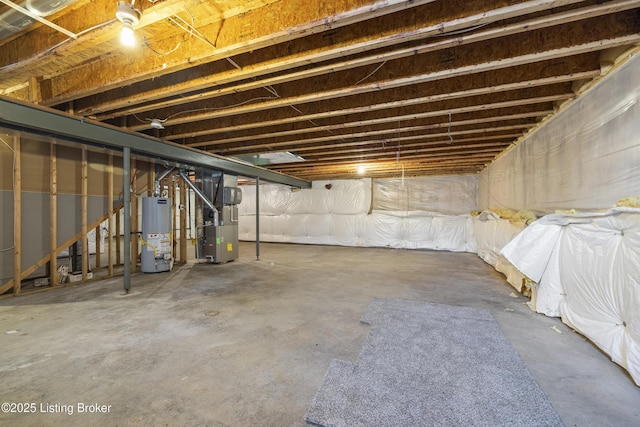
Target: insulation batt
column 588, row 273
column 342, row 216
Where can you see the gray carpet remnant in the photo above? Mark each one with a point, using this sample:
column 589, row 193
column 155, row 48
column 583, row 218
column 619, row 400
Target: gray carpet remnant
column 428, row 364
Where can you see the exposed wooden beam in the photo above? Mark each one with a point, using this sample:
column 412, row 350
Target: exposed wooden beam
column 53, row 215
column 479, row 135
column 391, row 119
column 110, row 217
column 429, row 153
column 445, row 73
column 46, row 53
column 405, row 150
column 183, row 221
column 135, row 223
column 17, row 215
column 437, row 136
column 84, row 178
column 314, row 57
column 468, row 93
column 241, row 33
column 261, row 147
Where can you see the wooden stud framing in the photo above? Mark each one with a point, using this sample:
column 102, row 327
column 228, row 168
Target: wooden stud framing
column 118, row 239
column 44, row 260
column 17, row 218
column 133, row 261
column 110, row 218
column 183, row 221
column 53, row 216
column 84, row 206
column 174, row 212
column 98, row 262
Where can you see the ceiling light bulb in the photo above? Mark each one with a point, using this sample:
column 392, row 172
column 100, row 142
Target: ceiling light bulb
column 129, row 16
column 361, row 169
column 127, row 36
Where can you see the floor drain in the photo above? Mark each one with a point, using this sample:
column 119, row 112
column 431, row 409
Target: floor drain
column 212, row 313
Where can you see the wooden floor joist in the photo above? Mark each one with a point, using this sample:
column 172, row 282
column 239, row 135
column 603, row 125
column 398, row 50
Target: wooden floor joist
column 325, row 79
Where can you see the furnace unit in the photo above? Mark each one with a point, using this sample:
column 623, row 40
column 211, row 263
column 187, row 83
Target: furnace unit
column 217, row 234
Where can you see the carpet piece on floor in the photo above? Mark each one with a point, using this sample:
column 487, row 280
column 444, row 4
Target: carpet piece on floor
column 428, row 364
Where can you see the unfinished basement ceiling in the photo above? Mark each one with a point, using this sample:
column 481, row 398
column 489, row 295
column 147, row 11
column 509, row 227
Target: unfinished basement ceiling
column 405, row 88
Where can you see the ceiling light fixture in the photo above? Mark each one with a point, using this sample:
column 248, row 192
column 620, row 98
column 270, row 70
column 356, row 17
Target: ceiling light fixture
column 156, row 124
column 361, row 169
column 129, row 16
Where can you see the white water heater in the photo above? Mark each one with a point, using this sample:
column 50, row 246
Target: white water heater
column 156, row 239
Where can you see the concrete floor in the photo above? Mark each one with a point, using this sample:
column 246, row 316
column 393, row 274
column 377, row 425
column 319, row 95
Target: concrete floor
column 248, row 343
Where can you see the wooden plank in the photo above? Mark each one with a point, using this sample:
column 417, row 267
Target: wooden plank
column 135, row 225
column 296, row 145
column 394, row 119
column 17, row 216
column 407, row 150
column 485, row 90
column 33, row 51
column 118, row 239
column 244, row 32
column 35, row 95
column 53, row 216
column 445, row 73
column 178, row 92
column 84, row 207
column 183, row 221
column 110, row 218
column 174, row 213
column 98, row 246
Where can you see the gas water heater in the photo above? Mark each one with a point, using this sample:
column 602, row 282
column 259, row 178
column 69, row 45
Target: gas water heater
column 156, row 235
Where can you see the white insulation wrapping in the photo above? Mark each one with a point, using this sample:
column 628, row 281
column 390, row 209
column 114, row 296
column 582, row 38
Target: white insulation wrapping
column 339, row 213
column 491, row 234
column 587, row 267
column 585, row 158
column 451, row 195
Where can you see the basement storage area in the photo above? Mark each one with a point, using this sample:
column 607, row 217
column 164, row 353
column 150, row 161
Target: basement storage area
column 333, row 213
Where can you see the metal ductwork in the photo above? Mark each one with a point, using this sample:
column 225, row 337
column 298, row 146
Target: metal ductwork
column 13, row 21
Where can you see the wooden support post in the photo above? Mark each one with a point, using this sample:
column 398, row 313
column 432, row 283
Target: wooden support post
column 133, row 258
column 118, row 242
column 126, row 191
column 35, row 94
column 110, row 210
column 174, row 212
column 85, row 242
column 53, row 216
column 98, row 245
column 17, row 217
column 183, row 221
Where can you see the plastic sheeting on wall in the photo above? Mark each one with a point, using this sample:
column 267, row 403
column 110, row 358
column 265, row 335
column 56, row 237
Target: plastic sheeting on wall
column 450, row 195
column 347, row 197
column 415, row 230
column 585, row 158
column 340, row 216
column 588, row 273
column 491, row 234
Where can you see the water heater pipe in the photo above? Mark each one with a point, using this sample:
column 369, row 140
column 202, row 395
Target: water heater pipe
column 156, row 184
column 200, row 194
